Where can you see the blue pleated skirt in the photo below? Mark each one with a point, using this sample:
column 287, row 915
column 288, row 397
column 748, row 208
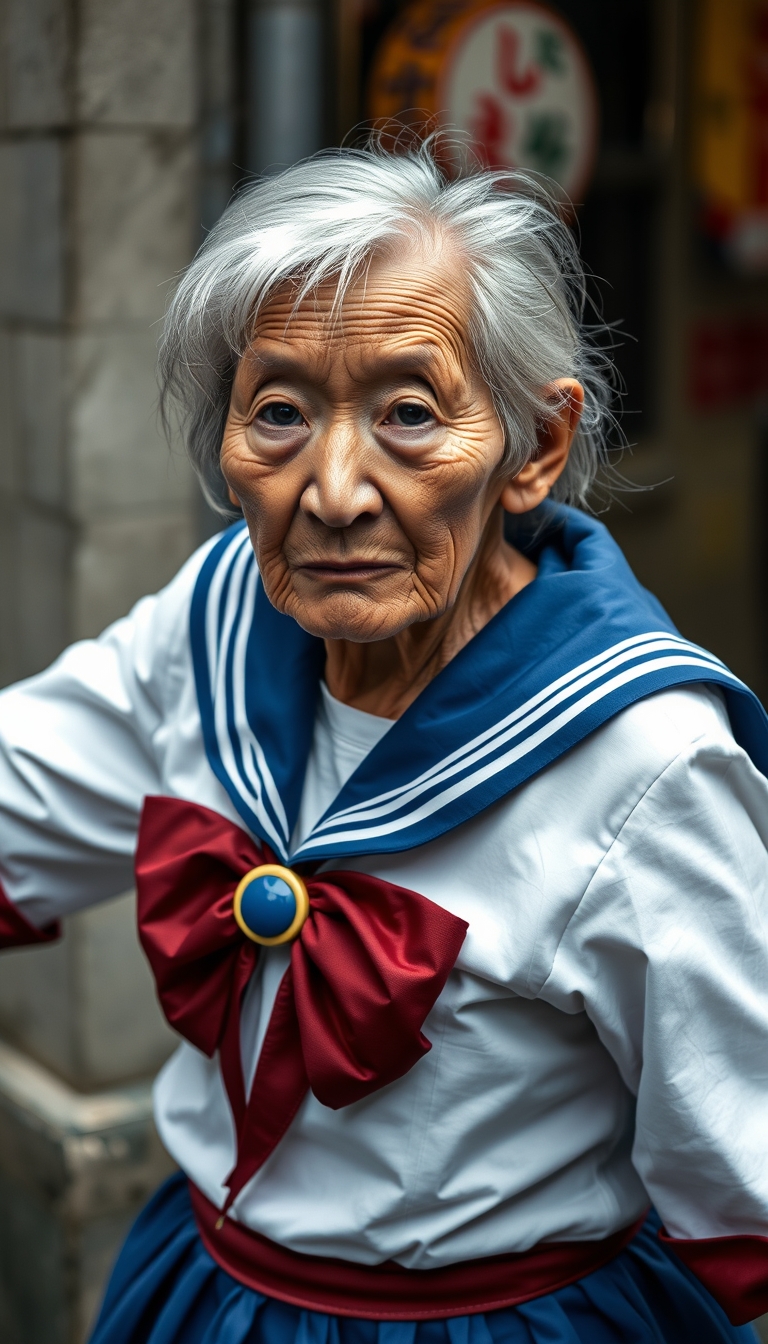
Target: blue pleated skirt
column 166, row 1289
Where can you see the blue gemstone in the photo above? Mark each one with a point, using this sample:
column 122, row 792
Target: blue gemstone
column 268, row 906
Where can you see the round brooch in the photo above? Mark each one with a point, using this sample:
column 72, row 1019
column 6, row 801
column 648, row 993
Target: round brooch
column 271, row 904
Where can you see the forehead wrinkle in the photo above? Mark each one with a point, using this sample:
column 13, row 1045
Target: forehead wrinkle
column 390, row 297
column 288, row 360
column 394, row 311
column 377, row 361
column 410, row 344
column 427, row 360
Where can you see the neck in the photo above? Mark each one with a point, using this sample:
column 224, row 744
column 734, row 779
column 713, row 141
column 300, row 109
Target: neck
column 386, row 676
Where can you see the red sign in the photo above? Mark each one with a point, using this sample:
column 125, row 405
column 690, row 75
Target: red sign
column 511, row 74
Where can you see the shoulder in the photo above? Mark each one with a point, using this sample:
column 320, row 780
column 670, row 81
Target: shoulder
column 670, row 764
column 673, row 721
column 520, row 871
column 682, row 885
column 666, row 837
column 609, row 773
column 643, row 741
column 706, row 801
column 589, row 794
column 133, row 668
column 693, row 845
column 669, row 757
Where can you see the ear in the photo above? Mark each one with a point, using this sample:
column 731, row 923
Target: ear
column 233, row 497
column 532, row 485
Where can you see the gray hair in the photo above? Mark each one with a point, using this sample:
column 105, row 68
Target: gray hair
column 326, row 218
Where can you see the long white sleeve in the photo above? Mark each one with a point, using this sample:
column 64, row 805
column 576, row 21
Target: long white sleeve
column 80, row 747
column 668, row 954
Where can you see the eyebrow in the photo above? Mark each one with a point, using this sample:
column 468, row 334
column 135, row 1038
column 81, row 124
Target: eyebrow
column 412, row 360
column 415, row 360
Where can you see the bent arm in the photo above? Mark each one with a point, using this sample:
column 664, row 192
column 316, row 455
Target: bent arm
column 79, row 751
column 668, row 954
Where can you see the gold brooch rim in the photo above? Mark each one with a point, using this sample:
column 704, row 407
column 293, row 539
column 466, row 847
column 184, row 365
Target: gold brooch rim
column 300, row 893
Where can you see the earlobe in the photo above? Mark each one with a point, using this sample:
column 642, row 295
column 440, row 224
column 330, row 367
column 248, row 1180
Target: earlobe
column 532, row 484
column 233, row 499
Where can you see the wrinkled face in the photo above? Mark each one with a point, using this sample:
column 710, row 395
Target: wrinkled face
column 364, row 450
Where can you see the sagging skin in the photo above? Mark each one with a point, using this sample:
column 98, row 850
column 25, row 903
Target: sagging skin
column 366, row 454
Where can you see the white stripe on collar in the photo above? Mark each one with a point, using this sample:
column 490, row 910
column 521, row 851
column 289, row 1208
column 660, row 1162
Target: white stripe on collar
column 325, row 834
column 392, row 801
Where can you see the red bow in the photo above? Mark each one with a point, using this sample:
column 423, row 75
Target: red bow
column 365, row 971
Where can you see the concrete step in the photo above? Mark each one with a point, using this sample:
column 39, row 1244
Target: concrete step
column 75, row 1168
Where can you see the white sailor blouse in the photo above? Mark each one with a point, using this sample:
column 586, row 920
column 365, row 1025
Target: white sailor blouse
column 531, row 993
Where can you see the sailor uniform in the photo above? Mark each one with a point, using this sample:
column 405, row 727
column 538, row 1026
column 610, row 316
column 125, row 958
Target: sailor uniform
column 576, row 807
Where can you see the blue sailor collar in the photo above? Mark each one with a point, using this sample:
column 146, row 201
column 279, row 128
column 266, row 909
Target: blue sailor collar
column 573, row 648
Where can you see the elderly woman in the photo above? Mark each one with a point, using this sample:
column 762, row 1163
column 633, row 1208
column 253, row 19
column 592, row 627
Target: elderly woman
column 450, row 851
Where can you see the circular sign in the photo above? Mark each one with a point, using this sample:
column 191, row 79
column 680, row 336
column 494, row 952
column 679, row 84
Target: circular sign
column 512, row 76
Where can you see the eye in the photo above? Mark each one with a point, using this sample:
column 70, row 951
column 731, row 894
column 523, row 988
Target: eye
column 411, row 414
column 281, row 414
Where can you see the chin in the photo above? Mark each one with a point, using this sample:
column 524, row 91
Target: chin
column 349, row 616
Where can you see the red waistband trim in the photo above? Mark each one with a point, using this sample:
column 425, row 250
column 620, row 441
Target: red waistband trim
column 734, row 1269
column 389, row 1292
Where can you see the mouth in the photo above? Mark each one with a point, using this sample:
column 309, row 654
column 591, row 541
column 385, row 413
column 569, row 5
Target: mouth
column 348, row 571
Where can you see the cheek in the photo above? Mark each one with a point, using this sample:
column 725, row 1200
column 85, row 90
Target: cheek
column 450, row 499
column 268, row 493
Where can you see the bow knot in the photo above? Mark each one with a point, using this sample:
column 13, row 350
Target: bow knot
column 368, row 964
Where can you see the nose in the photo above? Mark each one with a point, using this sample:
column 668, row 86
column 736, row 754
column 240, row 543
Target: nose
column 340, row 489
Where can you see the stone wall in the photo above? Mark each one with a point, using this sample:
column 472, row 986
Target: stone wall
column 74, row 1171
column 98, row 159
column 99, row 179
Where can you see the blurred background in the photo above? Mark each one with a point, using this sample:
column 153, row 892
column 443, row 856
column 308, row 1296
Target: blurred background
column 125, row 126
